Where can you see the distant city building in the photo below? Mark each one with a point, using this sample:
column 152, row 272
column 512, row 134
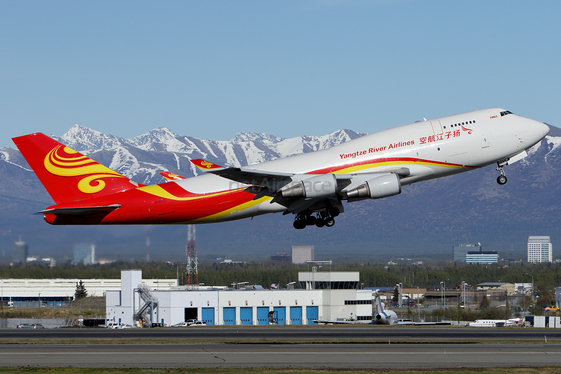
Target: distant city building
column 539, row 249
column 461, row 250
column 301, row 254
column 84, row 254
column 20, row 252
column 47, row 261
column 281, row 257
column 482, row 257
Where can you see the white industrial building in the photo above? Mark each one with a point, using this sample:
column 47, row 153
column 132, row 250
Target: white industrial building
column 249, row 306
column 58, row 292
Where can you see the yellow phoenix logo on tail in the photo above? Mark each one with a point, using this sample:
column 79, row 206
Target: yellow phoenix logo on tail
column 65, row 162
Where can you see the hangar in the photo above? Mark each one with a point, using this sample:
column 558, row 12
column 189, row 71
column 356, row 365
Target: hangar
column 328, row 296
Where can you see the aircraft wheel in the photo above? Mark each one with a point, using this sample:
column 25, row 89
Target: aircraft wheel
column 329, row 222
column 299, row 224
column 320, row 223
column 311, row 220
column 501, row 180
column 334, row 212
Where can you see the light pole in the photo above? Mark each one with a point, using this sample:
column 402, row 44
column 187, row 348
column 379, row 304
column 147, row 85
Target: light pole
column 442, row 293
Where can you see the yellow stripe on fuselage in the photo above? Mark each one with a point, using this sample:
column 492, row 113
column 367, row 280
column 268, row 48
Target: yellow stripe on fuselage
column 237, row 208
column 354, row 169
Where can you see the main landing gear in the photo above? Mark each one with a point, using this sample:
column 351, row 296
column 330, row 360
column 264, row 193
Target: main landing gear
column 320, row 219
column 501, row 179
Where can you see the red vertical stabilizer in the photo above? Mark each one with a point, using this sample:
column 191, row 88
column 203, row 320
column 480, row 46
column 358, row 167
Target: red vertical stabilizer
column 66, row 174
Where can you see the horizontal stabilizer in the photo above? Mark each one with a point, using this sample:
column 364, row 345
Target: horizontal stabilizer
column 81, row 211
column 171, row 176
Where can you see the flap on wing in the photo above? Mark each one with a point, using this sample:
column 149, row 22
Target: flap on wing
column 271, row 180
column 81, row 211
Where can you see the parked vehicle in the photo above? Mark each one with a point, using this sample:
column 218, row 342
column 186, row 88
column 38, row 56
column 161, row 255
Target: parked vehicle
column 198, row 323
column 24, row 326
column 38, row 326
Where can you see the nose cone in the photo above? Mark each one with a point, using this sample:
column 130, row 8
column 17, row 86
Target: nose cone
column 543, row 129
column 535, row 131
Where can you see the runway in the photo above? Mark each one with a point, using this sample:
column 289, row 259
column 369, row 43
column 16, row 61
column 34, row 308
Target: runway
column 283, row 347
column 352, row 333
column 336, row 356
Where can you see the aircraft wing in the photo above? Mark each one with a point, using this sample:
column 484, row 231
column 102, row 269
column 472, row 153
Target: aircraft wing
column 271, row 180
column 276, row 180
column 310, row 192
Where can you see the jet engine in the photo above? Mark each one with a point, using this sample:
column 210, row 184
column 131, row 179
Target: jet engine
column 382, row 186
column 317, row 186
column 385, row 317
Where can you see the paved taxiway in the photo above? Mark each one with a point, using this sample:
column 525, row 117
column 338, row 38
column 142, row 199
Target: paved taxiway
column 282, row 355
column 370, row 333
column 279, row 347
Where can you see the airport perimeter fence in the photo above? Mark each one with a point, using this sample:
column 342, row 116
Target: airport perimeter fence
column 48, row 323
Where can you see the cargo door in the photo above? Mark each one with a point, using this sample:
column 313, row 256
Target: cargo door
column 208, row 316
column 262, row 315
column 229, row 315
column 295, row 315
column 280, row 315
column 311, row 315
column 246, row 316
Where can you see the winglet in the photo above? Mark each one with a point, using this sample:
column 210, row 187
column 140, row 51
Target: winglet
column 205, row 165
column 171, row 176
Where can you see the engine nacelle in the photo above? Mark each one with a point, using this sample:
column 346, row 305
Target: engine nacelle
column 376, row 188
column 317, row 186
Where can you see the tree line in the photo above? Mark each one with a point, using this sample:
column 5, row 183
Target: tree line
column 546, row 276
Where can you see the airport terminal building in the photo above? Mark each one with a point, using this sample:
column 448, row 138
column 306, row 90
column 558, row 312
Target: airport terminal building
column 324, row 296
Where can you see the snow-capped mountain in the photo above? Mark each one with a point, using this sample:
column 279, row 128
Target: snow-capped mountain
column 142, row 158
column 426, row 217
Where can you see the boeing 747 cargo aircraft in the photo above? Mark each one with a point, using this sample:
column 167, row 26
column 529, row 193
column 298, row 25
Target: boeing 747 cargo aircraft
column 312, row 186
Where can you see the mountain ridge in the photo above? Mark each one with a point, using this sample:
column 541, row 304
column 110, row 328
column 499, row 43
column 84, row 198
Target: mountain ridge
column 428, row 217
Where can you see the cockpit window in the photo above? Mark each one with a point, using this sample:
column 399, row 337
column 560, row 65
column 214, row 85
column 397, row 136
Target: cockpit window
column 506, row 112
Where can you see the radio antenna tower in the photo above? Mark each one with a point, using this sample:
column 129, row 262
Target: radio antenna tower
column 192, row 262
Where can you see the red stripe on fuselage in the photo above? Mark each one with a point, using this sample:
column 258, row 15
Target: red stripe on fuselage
column 334, row 169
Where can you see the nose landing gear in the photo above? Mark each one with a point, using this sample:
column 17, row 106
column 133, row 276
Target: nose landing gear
column 501, row 179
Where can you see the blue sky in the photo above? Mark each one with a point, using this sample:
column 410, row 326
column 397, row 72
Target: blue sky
column 211, row 69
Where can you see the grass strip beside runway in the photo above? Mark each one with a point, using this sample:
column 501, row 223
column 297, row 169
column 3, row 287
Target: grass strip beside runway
column 70, row 370
column 120, row 341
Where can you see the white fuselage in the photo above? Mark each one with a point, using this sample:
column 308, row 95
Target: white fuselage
column 428, row 149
